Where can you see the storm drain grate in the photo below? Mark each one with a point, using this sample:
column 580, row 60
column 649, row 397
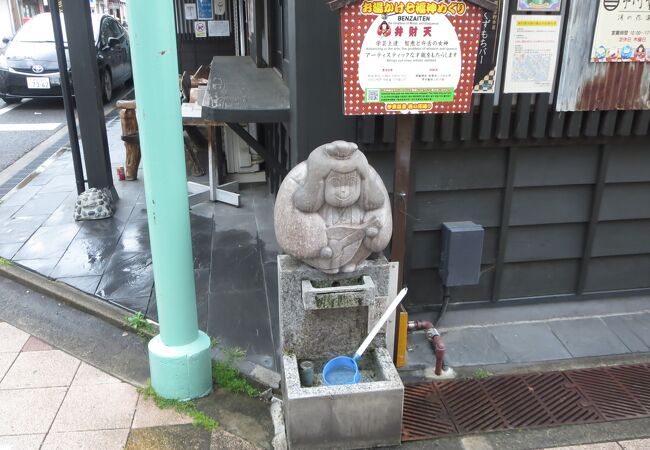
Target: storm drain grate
column 525, row 401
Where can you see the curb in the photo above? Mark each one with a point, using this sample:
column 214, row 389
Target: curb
column 259, row 376
column 67, row 294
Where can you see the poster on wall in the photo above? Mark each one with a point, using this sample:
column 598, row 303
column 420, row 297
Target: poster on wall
column 539, row 5
column 488, row 48
column 218, row 28
column 622, row 31
column 204, row 9
column 200, row 30
column 190, row 11
column 409, row 57
column 532, row 54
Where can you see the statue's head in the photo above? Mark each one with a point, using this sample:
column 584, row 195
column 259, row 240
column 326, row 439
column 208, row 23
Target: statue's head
column 338, row 174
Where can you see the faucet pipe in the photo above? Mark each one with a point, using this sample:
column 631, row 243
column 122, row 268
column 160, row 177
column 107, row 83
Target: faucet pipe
column 434, row 338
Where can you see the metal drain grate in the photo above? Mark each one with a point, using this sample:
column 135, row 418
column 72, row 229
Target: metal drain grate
column 525, row 401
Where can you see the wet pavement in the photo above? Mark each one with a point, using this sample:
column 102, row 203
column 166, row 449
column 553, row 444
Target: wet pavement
column 234, row 251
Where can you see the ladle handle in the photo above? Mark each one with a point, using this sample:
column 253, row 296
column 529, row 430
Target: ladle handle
column 362, row 348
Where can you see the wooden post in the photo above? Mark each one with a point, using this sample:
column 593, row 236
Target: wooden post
column 129, row 123
column 402, row 191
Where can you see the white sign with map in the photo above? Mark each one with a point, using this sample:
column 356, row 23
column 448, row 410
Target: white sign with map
column 532, row 54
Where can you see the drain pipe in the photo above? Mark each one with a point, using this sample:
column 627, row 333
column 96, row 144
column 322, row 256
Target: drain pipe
column 433, row 336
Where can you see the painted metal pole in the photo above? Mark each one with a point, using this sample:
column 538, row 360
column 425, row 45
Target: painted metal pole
column 66, row 92
column 179, row 358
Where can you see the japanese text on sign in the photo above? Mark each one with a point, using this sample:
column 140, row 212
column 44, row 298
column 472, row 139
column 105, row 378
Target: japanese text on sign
column 622, row 31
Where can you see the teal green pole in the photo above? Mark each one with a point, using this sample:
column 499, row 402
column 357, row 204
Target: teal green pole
column 179, row 357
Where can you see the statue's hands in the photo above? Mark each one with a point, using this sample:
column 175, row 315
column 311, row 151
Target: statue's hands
column 371, row 232
column 326, row 252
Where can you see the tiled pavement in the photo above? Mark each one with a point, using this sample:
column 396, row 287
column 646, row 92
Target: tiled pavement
column 51, row 400
column 636, row 444
column 234, row 252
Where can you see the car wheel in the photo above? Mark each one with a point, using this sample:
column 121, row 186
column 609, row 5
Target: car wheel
column 10, row 100
column 107, row 86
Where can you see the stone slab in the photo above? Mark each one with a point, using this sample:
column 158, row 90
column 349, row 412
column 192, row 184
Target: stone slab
column 529, row 342
column 588, row 337
column 87, row 440
column 624, row 328
column 21, row 442
column 12, row 338
column 29, row 411
column 48, row 368
column 472, row 347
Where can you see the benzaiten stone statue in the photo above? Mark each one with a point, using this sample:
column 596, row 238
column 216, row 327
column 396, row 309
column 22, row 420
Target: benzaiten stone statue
column 332, row 211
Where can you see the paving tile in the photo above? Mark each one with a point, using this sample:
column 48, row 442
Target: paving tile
column 102, row 228
column 234, row 230
column 49, row 368
column 472, row 346
column 42, row 266
column 6, row 360
column 87, row 284
column 202, row 283
column 8, row 251
column 147, row 414
column 85, row 256
column 11, row 338
column 624, row 327
column 135, row 237
column 601, row 446
column 134, row 304
column 221, row 439
column 36, row 345
column 48, row 242
column 241, row 319
column 7, row 211
column 236, row 268
column 88, row 375
column 87, row 440
column 60, row 183
column 640, row 325
column 21, row 196
column 18, row 229
column 635, row 444
column 29, row 411
column 587, row 337
column 97, row 407
column 64, row 213
column 127, row 275
column 172, row 437
column 42, row 203
column 21, row 442
column 529, row 342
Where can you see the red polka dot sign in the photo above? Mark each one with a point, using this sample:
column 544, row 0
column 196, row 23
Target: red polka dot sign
column 409, row 57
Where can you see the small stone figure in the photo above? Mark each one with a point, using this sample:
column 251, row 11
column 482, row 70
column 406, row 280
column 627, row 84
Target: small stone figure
column 94, row 204
column 332, row 211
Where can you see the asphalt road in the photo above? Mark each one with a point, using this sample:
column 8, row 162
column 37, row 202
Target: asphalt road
column 24, row 126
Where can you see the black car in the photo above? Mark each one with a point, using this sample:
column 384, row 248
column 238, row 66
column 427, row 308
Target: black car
column 29, row 68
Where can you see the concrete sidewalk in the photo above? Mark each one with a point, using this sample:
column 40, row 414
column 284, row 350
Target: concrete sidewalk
column 52, row 400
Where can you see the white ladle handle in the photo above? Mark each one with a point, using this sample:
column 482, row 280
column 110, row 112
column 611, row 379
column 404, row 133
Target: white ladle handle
column 362, row 348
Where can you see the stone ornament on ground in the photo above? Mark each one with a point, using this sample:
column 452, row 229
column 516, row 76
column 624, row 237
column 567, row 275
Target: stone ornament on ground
column 94, row 204
column 332, row 211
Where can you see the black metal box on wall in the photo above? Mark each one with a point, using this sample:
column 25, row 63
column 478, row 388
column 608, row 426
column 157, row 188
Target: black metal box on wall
column 462, row 249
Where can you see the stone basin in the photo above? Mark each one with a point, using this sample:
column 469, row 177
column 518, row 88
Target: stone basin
column 368, row 414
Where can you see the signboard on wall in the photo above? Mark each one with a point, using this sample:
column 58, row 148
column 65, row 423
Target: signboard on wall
column 622, row 31
column 409, row 57
column 539, row 5
column 532, row 53
column 204, row 9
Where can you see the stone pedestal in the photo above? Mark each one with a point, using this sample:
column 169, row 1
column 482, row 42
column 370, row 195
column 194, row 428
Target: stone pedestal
column 323, row 316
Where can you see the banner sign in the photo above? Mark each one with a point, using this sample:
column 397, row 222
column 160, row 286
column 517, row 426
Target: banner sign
column 486, row 58
column 622, row 31
column 409, row 57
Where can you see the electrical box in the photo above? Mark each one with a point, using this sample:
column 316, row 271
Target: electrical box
column 460, row 256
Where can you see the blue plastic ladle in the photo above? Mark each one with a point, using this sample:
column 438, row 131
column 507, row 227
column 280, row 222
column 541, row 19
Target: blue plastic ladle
column 343, row 369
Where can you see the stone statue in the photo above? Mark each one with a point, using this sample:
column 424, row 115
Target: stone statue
column 332, row 211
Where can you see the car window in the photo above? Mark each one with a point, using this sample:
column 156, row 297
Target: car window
column 116, row 31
